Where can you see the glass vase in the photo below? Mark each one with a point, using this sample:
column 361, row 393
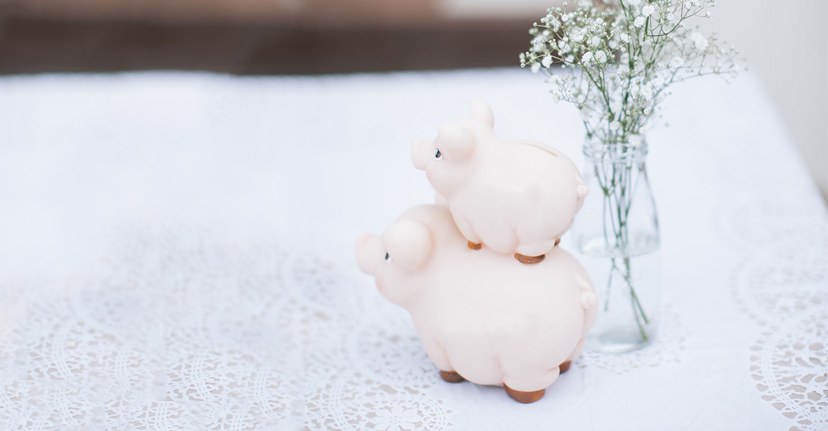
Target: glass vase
column 616, row 233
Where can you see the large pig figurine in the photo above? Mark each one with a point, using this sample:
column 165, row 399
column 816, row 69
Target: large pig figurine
column 514, row 197
column 482, row 316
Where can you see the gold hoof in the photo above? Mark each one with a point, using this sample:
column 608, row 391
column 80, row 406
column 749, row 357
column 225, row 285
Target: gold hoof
column 451, row 376
column 529, row 260
column 524, row 397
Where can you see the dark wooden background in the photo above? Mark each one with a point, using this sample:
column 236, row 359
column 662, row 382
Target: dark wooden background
column 43, row 44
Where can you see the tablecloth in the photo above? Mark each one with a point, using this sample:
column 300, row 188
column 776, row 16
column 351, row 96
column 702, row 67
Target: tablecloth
column 176, row 252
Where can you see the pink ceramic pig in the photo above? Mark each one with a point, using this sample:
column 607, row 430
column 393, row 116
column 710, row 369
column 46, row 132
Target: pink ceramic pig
column 482, row 315
column 515, row 197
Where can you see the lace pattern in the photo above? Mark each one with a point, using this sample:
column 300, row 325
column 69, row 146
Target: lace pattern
column 781, row 281
column 366, row 363
column 777, row 283
column 789, row 364
column 154, row 343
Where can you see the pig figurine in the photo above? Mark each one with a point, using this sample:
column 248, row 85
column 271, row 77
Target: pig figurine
column 482, row 316
column 515, row 197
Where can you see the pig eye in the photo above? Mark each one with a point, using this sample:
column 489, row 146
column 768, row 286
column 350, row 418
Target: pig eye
column 388, row 257
column 438, row 155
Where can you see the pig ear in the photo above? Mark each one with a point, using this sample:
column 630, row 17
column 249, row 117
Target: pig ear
column 408, row 243
column 481, row 111
column 455, row 141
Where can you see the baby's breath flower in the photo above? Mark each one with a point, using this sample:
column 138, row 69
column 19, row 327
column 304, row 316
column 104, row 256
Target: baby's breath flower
column 623, row 70
column 676, row 62
column 699, row 41
column 537, row 43
column 628, row 54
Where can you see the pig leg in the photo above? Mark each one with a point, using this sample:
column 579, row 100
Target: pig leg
column 532, row 250
column 438, row 356
column 523, row 391
column 524, row 397
column 531, row 382
column 475, row 243
column 568, row 362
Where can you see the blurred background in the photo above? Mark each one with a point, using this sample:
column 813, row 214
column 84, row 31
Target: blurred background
column 786, row 43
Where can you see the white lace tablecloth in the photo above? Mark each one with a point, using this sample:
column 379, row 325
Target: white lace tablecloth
column 176, row 254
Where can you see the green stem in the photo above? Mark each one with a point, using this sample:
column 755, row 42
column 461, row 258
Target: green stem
column 618, row 187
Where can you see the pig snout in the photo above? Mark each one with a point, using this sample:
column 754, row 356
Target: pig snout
column 369, row 252
column 421, row 152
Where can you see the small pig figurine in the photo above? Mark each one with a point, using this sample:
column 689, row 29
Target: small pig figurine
column 481, row 315
column 515, row 197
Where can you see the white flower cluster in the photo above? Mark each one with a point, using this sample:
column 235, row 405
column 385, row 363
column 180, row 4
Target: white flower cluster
column 617, row 59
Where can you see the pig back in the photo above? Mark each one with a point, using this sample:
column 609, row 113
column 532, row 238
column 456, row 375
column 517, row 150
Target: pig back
column 532, row 191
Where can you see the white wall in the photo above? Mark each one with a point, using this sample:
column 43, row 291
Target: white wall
column 785, row 43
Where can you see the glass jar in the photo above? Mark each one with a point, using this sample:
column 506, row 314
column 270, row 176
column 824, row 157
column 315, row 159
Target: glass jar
column 616, row 233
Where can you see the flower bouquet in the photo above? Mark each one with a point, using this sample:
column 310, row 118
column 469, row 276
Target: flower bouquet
column 615, row 60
